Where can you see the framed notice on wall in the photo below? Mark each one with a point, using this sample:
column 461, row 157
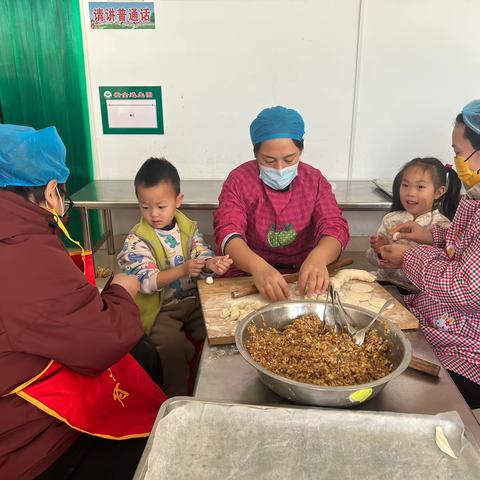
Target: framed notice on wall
column 121, row 15
column 131, row 110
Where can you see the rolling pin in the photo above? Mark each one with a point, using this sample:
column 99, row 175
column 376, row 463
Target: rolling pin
column 424, row 366
column 289, row 278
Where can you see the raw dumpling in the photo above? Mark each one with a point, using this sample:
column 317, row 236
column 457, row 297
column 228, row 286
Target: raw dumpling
column 348, row 274
column 239, row 310
column 377, row 302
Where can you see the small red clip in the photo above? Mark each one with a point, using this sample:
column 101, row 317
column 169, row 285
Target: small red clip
column 448, row 166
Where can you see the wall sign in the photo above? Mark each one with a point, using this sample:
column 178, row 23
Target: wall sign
column 131, row 110
column 121, row 15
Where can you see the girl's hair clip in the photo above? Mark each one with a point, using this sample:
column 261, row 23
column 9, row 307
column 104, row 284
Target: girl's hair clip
column 448, row 166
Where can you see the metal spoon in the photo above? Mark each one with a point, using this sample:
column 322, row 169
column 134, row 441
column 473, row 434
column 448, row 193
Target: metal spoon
column 359, row 336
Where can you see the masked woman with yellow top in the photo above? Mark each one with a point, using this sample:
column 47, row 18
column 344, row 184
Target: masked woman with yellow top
column 69, row 390
column 446, row 268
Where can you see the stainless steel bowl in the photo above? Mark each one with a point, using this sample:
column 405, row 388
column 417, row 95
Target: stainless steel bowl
column 279, row 315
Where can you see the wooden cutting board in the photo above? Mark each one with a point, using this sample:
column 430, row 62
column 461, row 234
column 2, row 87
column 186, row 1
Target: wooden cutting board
column 217, row 296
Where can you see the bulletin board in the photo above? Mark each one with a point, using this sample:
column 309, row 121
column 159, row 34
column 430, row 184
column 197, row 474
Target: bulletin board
column 131, row 110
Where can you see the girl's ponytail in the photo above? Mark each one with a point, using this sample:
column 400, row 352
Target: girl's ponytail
column 449, row 201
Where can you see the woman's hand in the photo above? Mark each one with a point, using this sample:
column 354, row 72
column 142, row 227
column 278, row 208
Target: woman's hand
column 270, row 283
column 129, row 282
column 413, row 231
column 392, row 255
column 312, row 278
column 377, row 241
column 219, row 265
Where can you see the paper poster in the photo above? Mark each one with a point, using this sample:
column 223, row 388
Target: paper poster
column 121, row 15
column 131, row 110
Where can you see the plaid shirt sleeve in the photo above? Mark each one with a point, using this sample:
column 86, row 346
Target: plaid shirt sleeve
column 439, row 233
column 327, row 216
column 231, row 215
column 450, row 282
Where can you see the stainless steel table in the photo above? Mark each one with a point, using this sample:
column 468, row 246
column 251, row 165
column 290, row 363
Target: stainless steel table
column 106, row 195
column 224, row 376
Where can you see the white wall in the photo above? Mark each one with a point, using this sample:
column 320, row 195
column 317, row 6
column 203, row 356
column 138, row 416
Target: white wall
column 419, row 65
column 220, row 62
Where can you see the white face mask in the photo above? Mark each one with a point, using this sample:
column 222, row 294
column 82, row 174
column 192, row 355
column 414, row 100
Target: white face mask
column 278, row 179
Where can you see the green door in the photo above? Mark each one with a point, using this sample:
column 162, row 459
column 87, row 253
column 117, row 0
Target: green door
column 42, row 79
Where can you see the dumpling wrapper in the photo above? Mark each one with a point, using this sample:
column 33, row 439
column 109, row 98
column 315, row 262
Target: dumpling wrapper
column 442, row 442
column 360, row 288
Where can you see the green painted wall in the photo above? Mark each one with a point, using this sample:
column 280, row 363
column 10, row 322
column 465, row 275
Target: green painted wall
column 42, row 80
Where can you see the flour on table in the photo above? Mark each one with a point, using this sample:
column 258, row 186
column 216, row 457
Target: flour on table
column 360, row 288
column 354, row 297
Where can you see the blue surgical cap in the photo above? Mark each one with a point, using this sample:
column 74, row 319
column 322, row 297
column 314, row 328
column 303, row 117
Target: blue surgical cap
column 31, row 158
column 277, row 122
column 471, row 115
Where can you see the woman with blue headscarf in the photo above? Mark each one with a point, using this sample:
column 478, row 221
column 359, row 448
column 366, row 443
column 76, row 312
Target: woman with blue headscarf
column 277, row 214
column 446, row 267
column 63, row 345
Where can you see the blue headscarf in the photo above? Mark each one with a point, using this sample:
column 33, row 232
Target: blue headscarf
column 31, row 158
column 277, row 122
column 471, row 115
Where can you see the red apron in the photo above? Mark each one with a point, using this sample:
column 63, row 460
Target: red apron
column 120, row 403
column 84, row 261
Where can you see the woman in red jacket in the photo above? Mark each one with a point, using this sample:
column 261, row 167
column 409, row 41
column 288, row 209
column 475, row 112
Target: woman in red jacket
column 57, row 333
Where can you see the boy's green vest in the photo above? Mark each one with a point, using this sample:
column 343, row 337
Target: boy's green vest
column 150, row 305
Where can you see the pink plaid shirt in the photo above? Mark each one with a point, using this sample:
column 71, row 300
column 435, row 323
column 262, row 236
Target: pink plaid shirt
column 281, row 227
column 448, row 275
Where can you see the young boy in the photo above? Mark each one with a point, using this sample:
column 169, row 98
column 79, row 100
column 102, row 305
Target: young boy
column 165, row 251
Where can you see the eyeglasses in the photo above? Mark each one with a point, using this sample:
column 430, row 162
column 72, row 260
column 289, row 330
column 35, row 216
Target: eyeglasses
column 67, row 201
column 471, row 155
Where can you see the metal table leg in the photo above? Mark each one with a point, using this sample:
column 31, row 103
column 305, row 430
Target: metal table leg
column 87, row 239
column 107, row 222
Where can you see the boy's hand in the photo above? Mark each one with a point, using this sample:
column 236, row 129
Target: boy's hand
column 194, row 266
column 219, row 265
column 413, row 231
column 378, row 241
